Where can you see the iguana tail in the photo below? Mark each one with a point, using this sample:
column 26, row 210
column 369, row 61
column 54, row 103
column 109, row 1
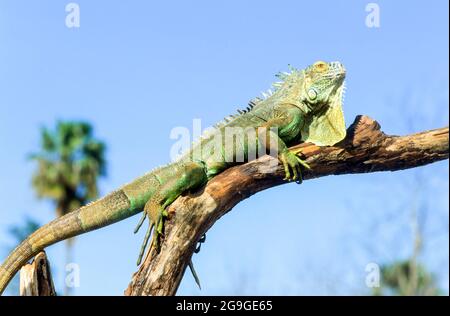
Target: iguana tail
column 110, row 209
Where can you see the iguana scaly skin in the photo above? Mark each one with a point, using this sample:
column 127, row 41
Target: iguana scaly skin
column 305, row 106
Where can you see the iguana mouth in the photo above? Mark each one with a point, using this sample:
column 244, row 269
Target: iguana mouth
column 337, row 70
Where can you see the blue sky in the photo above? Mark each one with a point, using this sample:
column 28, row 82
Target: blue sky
column 137, row 69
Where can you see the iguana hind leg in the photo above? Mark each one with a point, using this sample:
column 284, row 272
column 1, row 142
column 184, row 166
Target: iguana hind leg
column 184, row 177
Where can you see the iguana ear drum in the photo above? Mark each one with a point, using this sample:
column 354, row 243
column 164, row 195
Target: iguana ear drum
column 312, row 94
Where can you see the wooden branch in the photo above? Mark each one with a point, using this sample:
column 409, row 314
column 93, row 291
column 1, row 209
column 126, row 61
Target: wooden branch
column 365, row 149
column 36, row 279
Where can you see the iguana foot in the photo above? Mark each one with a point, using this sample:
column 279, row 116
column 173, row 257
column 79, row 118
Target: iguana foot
column 292, row 164
column 157, row 215
column 158, row 224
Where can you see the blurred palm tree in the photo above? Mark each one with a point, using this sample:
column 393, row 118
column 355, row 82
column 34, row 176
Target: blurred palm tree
column 69, row 164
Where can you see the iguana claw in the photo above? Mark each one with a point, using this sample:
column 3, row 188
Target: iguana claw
column 292, row 162
column 144, row 243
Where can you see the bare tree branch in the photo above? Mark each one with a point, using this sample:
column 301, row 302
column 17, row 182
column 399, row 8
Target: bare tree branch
column 365, row 149
column 36, row 279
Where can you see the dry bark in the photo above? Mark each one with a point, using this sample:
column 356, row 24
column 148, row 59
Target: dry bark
column 36, row 279
column 365, row 149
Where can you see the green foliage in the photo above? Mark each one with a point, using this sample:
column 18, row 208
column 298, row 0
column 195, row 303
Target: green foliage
column 407, row 278
column 69, row 164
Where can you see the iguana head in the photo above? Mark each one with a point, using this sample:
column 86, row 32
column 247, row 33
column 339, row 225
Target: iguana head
column 317, row 91
column 323, row 83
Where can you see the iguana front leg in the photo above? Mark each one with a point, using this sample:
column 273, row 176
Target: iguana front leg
column 288, row 120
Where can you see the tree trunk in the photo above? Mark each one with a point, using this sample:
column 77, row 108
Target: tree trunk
column 36, row 279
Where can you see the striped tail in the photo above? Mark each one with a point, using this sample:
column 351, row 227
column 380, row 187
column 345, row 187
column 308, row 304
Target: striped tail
column 108, row 210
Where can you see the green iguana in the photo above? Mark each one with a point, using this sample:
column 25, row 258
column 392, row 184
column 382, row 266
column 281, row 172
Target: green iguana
column 305, row 106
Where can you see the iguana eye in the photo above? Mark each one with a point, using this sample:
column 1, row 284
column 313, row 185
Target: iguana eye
column 320, row 66
column 312, row 94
